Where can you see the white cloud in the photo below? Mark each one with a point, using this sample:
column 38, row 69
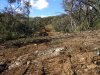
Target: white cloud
column 39, row 4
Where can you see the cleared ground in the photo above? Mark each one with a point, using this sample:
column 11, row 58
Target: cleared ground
column 66, row 54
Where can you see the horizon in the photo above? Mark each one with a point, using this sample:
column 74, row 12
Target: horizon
column 41, row 8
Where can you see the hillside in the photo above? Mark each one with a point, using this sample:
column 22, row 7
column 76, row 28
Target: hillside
column 67, row 54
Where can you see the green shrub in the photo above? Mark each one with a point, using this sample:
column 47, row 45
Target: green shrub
column 97, row 24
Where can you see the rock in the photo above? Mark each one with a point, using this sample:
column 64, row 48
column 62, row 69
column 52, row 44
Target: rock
column 91, row 66
column 19, row 61
column 98, row 52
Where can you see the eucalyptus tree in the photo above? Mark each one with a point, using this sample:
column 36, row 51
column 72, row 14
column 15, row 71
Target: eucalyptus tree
column 91, row 9
column 20, row 6
column 14, row 18
column 68, row 6
column 82, row 11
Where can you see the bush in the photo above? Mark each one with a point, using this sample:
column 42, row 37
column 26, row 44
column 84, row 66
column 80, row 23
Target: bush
column 97, row 24
column 22, row 29
column 11, row 36
column 8, row 36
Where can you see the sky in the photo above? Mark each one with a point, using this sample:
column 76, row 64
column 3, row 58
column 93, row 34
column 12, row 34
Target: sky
column 41, row 8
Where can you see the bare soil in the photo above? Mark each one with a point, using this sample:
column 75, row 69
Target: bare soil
column 67, row 54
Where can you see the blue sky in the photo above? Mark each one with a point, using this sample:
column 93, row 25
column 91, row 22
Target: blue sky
column 42, row 8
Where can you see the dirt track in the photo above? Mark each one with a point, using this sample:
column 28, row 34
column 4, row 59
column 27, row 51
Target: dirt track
column 74, row 54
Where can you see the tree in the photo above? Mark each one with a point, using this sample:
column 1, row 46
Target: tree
column 14, row 19
column 61, row 23
column 22, row 8
column 82, row 11
column 69, row 8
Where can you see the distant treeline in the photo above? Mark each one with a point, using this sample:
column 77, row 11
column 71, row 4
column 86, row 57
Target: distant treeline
column 12, row 27
column 80, row 16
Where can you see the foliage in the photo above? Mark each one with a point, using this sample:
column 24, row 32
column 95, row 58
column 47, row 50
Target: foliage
column 82, row 13
column 61, row 23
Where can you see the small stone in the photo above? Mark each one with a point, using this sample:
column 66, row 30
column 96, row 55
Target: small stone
column 28, row 62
